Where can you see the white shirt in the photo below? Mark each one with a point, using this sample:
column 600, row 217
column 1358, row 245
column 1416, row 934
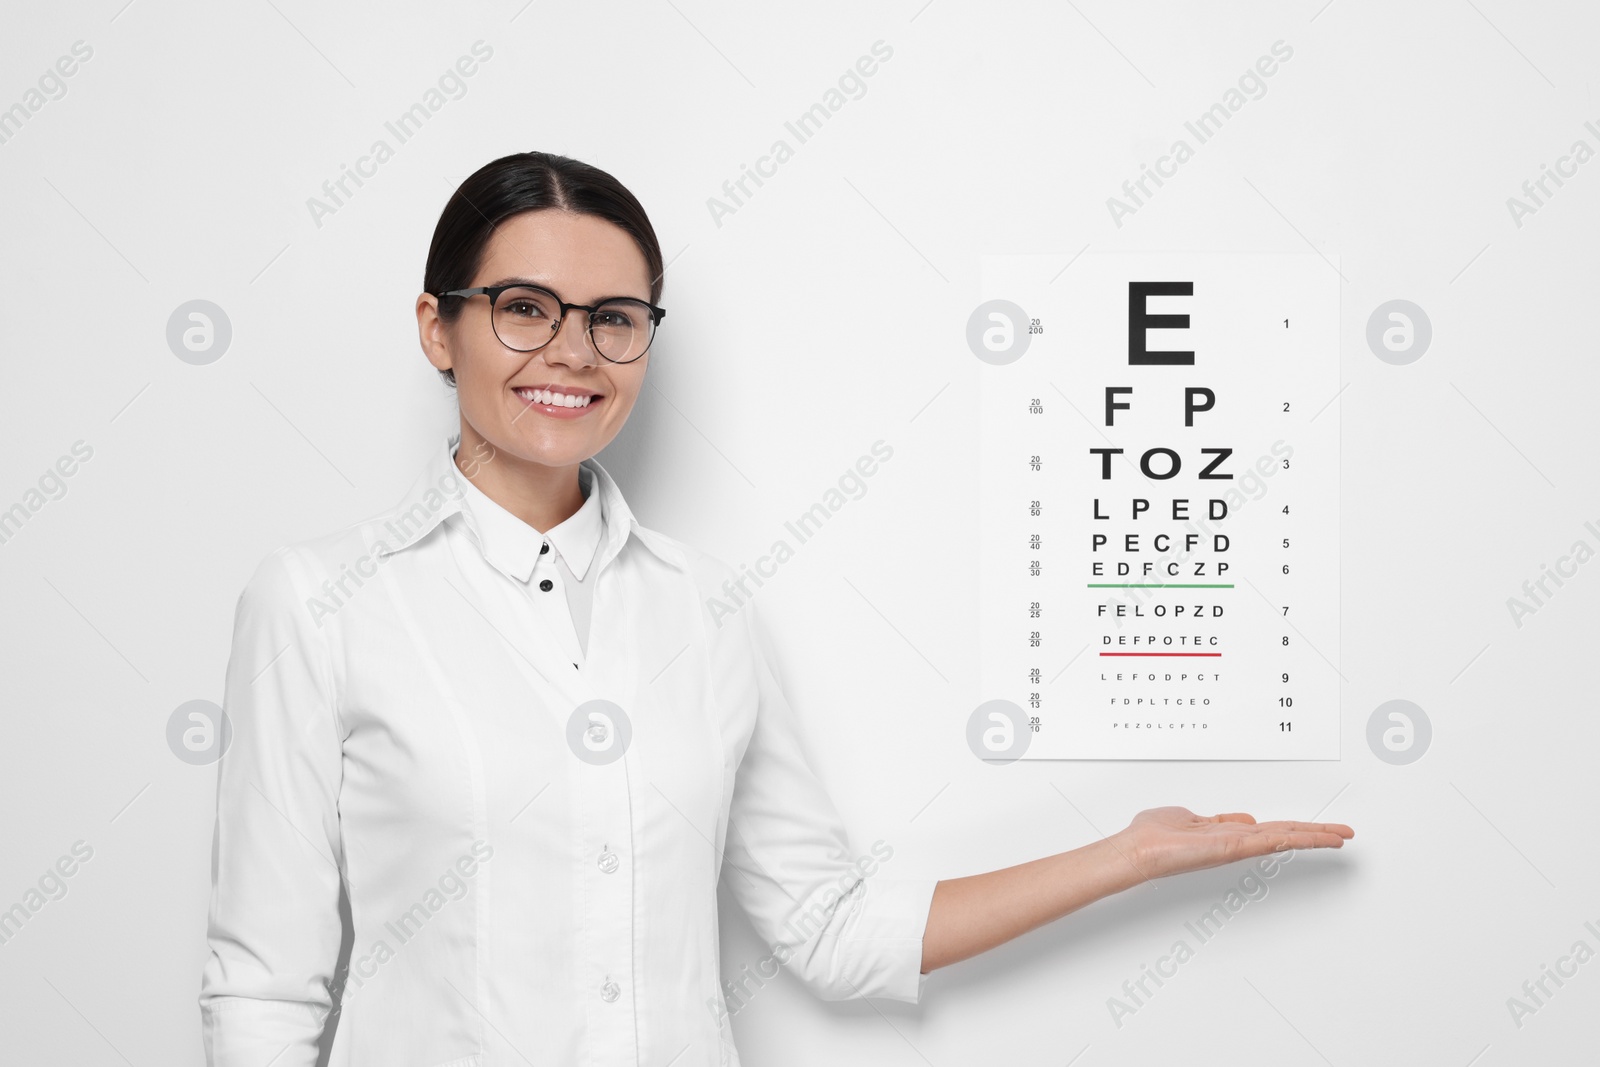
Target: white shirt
column 406, row 724
column 562, row 557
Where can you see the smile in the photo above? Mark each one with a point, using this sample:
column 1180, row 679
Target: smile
column 556, row 403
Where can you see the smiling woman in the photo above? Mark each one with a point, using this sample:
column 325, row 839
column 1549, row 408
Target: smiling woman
column 535, row 671
column 540, row 393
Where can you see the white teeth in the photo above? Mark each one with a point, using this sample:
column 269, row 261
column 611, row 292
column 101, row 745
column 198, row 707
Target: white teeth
column 563, row 400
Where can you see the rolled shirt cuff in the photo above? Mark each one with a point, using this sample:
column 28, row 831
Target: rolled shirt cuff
column 894, row 917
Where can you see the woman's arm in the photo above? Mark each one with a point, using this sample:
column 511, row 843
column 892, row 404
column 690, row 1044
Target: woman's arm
column 974, row 914
column 273, row 928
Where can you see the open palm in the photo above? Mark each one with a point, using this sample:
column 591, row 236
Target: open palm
column 1172, row 840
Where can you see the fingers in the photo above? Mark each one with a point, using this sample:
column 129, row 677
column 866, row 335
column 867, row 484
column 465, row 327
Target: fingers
column 1262, row 838
column 1282, row 842
column 1277, row 826
column 1338, row 828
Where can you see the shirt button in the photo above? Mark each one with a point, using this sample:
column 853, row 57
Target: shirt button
column 544, row 548
column 609, row 861
column 598, row 733
column 547, row 585
column 610, row 991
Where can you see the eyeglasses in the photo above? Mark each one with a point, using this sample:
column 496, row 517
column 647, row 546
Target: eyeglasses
column 526, row 318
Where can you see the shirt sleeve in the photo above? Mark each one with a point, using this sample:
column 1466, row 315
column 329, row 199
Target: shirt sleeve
column 833, row 916
column 274, row 928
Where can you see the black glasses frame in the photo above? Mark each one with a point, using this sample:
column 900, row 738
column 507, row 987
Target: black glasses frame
column 493, row 293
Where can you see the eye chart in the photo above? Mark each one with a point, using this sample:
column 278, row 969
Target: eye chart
column 1159, row 505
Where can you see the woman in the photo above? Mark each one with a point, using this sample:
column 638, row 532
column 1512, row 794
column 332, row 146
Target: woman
column 526, row 758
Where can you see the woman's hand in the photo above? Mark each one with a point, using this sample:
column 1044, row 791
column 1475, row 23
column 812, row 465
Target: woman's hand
column 973, row 914
column 1163, row 841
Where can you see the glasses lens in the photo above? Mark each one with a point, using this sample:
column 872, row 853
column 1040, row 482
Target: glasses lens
column 622, row 329
column 526, row 318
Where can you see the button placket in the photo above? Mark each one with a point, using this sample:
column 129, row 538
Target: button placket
column 548, row 598
column 603, row 797
column 603, row 792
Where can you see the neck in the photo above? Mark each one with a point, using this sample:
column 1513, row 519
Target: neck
column 541, row 496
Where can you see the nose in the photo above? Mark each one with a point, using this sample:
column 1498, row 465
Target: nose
column 571, row 345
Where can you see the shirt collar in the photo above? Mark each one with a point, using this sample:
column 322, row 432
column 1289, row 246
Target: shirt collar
column 590, row 537
column 512, row 545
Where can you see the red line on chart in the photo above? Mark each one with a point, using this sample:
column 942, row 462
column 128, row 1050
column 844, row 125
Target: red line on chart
column 1161, row 653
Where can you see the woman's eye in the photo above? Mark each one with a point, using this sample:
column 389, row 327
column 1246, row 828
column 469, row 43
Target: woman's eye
column 523, row 307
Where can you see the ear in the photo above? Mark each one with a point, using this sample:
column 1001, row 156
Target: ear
column 433, row 333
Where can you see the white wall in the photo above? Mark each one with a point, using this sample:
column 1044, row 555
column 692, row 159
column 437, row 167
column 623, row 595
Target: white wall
column 826, row 313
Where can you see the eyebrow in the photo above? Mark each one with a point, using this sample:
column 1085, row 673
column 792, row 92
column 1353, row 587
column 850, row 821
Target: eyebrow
column 518, row 280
